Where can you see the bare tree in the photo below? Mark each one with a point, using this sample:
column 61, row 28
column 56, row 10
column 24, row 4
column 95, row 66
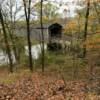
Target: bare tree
column 6, row 41
column 86, row 27
column 10, row 23
column 41, row 22
column 27, row 16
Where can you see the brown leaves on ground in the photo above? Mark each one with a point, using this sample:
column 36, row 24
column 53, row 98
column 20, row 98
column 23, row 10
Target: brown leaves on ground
column 41, row 87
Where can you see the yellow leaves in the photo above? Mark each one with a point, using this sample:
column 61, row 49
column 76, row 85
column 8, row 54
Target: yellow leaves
column 98, row 31
column 91, row 96
column 93, row 42
column 71, row 25
column 92, row 17
column 45, row 18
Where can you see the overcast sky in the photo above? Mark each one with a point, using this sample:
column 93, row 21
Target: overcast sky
column 70, row 7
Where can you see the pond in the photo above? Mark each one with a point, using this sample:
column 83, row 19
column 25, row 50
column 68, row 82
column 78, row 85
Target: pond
column 36, row 51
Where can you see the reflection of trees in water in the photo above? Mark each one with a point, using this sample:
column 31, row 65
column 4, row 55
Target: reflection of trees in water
column 4, row 57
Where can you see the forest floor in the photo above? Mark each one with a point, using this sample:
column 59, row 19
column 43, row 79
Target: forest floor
column 47, row 86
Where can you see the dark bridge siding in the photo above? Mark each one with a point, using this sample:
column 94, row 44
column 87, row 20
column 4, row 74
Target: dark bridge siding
column 55, row 33
column 55, row 30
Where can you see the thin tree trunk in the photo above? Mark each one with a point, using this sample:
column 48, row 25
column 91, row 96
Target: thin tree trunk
column 41, row 22
column 85, row 28
column 6, row 42
column 11, row 28
column 11, row 31
column 27, row 15
column 13, row 44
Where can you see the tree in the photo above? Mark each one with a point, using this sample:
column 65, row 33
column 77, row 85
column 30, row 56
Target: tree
column 50, row 11
column 10, row 22
column 91, row 33
column 27, row 16
column 41, row 22
column 6, row 40
column 86, row 25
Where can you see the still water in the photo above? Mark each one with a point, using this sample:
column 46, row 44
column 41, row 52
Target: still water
column 36, row 51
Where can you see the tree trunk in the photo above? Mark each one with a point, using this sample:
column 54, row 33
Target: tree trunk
column 10, row 31
column 42, row 48
column 85, row 28
column 27, row 15
column 6, row 42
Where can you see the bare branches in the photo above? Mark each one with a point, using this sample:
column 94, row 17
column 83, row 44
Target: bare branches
column 6, row 41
